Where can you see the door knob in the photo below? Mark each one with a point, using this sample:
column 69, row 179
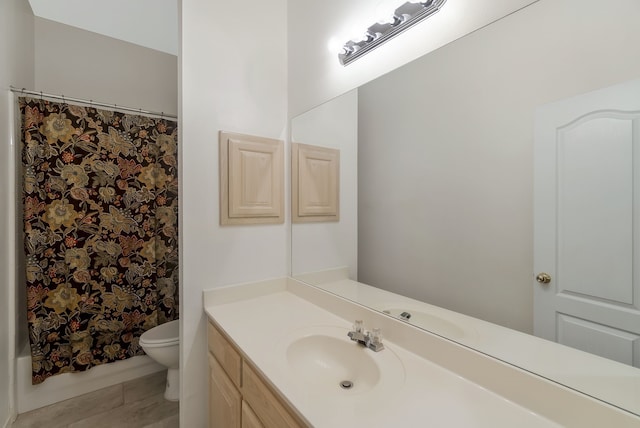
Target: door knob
column 543, row 278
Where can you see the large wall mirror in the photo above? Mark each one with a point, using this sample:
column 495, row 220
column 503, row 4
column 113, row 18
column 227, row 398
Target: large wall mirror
column 437, row 192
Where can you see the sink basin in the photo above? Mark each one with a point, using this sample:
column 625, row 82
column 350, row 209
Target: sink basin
column 328, row 360
column 429, row 322
column 324, row 359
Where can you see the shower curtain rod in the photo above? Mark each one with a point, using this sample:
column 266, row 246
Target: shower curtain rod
column 91, row 102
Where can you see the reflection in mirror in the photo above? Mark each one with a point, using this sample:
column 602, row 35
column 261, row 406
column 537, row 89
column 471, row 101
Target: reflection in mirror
column 318, row 246
column 444, row 179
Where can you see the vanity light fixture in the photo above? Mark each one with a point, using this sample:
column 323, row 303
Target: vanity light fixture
column 410, row 13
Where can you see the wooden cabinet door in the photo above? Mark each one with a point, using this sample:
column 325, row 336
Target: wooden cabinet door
column 265, row 404
column 225, row 401
column 249, row 419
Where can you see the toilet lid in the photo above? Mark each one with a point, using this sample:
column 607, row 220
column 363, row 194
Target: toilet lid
column 167, row 332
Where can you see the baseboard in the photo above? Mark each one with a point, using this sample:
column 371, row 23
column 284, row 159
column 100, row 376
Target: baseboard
column 64, row 386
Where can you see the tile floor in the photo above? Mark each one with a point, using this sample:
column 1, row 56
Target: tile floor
column 135, row 404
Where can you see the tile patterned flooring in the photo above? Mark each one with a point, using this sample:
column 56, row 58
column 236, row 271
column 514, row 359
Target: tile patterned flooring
column 135, row 404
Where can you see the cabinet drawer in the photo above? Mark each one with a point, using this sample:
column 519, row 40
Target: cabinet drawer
column 266, row 405
column 225, row 353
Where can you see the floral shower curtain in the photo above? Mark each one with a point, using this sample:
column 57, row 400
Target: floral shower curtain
column 100, row 200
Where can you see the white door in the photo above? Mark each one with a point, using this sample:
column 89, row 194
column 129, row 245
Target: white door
column 587, row 222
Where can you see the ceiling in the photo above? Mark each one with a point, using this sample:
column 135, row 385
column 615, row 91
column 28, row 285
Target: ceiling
column 149, row 23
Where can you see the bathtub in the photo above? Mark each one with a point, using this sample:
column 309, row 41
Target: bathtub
column 68, row 385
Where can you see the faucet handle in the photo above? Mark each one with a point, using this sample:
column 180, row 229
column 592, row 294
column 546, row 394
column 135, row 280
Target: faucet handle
column 357, row 334
column 374, row 340
column 376, row 335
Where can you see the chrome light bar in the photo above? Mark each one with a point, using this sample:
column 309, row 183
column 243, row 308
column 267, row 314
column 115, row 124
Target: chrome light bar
column 404, row 17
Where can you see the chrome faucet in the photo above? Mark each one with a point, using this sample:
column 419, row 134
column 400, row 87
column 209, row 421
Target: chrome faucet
column 371, row 339
column 405, row 315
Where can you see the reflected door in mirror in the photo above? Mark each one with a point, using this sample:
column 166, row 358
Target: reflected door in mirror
column 587, row 177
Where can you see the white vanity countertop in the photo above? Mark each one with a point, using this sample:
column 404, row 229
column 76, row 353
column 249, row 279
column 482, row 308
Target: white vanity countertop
column 429, row 395
column 599, row 377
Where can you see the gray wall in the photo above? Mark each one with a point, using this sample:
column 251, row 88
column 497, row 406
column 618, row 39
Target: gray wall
column 16, row 68
column 446, row 153
column 82, row 64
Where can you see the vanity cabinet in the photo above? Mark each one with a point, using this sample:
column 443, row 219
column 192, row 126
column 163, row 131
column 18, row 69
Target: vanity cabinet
column 239, row 397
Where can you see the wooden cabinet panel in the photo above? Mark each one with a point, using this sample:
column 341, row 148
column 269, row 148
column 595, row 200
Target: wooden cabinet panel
column 224, row 352
column 238, row 396
column 225, row 401
column 249, row 419
column 251, row 179
column 315, row 183
column 264, row 402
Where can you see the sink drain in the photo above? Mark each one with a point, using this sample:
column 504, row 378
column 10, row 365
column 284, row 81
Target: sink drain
column 346, row 384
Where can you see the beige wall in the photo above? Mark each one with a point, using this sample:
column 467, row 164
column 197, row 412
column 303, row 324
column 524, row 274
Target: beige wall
column 450, row 196
column 16, row 68
column 82, row 64
column 233, row 78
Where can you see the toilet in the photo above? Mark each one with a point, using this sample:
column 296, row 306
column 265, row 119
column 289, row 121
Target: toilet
column 161, row 343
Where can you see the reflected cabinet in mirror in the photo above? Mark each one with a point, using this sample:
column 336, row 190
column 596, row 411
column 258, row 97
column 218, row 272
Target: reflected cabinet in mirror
column 489, row 194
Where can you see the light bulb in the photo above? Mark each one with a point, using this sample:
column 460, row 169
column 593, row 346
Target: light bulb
column 334, row 45
column 385, row 11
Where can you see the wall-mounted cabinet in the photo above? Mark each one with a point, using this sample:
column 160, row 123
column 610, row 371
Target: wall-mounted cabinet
column 251, row 179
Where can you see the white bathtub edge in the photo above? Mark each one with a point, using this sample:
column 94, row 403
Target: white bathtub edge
column 69, row 385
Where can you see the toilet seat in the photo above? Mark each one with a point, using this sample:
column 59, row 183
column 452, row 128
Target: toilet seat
column 166, row 334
